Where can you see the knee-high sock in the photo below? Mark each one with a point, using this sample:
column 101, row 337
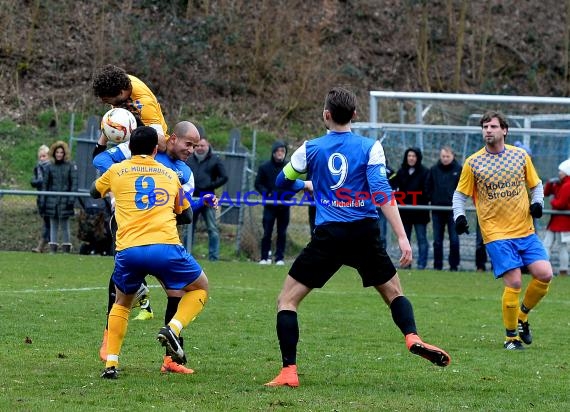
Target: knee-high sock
column 118, row 322
column 288, row 335
column 171, row 308
column 191, row 304
column 510, row 310
column 403, row 315
column 535, row 291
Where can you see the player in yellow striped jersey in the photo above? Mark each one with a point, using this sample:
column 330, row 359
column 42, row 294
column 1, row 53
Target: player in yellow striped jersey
column 497, row 178
column 149, row 202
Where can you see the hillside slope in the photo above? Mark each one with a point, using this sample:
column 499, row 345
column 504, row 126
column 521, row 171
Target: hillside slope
column 265, row 64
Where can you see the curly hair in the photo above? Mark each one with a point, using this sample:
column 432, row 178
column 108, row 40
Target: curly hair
column 110, row 81
column 57, row 145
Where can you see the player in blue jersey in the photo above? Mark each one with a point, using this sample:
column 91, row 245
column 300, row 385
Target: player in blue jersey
column 348, row 180
column 179, row 147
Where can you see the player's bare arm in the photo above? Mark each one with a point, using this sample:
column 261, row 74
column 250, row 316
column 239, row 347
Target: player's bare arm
column 392, row 215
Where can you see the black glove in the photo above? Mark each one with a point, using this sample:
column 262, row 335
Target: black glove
column 461, row 225
column 536, row 210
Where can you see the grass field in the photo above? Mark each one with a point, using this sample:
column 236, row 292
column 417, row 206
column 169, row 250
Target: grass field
column 351, row 356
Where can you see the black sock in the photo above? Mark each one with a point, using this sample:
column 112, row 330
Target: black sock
column 111, row 295
column 403, row 315
column 171, row 308
column 511, row 333
column 288, row 335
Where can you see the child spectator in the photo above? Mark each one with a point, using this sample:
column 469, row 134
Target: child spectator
column 40, row 171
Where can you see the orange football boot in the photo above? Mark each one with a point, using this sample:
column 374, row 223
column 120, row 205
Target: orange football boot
column 432, row 353
column 287, row 377
column 168, row 365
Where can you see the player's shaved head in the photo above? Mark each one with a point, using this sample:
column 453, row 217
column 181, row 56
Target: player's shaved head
column 185, row 128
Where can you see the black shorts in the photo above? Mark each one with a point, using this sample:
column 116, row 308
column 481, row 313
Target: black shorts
column 355, row 244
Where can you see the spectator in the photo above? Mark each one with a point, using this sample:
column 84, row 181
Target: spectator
column 442, row 181
column 209, row 174
column 558, row 228
column 40, row 171
column 273, row 210
column 411, row 179
column 61, row 177
column 523, row 146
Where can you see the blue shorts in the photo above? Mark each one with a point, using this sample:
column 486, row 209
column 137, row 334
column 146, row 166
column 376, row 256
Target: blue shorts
column 170, row 264
column 510, row 254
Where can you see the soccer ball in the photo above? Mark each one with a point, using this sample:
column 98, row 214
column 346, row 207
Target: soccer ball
column 117, row 125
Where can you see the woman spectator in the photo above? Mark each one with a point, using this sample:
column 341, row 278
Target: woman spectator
column 61, row 177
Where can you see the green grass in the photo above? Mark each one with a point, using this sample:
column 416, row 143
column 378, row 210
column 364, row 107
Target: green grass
column 350, row 356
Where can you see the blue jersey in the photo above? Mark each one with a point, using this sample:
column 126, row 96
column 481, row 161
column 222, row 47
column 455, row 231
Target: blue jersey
column 348, row 172
column 103, row 161
column 182, row 170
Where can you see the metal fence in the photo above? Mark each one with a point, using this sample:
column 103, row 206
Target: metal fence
column 19, row 208
column 432, row 120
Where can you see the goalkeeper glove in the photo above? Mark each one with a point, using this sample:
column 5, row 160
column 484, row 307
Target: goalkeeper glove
column 536, row 210
column 461, row 225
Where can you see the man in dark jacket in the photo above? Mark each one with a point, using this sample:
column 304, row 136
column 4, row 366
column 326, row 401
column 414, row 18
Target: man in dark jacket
column 209, row 174
column 411, row 179
column 442, row 181
column 273, row 210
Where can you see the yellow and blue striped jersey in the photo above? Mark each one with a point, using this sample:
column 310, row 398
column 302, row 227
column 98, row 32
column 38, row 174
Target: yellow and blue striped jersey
column 147, row 196
column 498, row 184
